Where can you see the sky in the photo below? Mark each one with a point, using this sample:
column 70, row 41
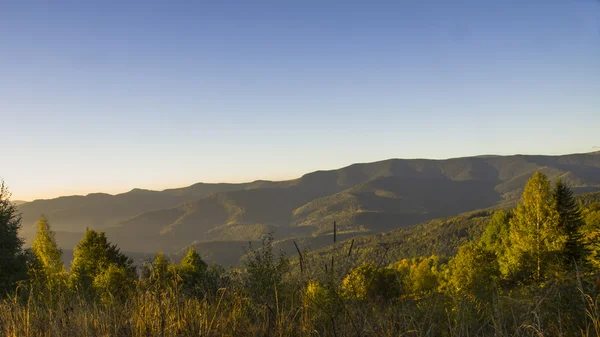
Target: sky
column 106, row 96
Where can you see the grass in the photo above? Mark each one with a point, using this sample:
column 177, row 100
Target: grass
column 557, row 308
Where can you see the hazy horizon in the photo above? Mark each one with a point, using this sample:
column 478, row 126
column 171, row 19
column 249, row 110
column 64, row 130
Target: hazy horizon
column 161, row 187
column 113, row 96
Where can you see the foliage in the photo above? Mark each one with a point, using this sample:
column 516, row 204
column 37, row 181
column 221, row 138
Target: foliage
column 192, row 270
column 461, row 293
column 367, row 281
column 534, row 232
column 12, row 259
column 591, row 230
column 46, row 270
column 474, row 271
column 92, row 257
column 265, row 272
column 570, row 224
column 423, row 276
column 160, row 273
column 364, row 198
column 46, row 250
column 495, row 237
column 115, row 283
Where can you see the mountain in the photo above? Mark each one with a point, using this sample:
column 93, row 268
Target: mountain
column 18, row 202
column 361, row 198
column 100, row 210
column 441, row 237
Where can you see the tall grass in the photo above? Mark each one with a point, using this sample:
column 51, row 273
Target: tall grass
column 307, row 302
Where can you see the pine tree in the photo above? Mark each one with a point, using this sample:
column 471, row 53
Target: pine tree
column 534, row 233
column 48, row 277
column 192, row 271
column 92, row 257
column 193, row 262
column 12, row 260
column 570, row 223
column 46, row 250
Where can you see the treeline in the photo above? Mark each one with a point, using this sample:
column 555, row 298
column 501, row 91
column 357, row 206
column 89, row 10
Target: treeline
column 532, row 272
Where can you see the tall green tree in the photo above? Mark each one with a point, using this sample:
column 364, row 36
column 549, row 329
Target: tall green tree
column 570, row 222
column 46, row 250
column 160, row 274
column 47, row 272
column 474, row 270
column 92, row 257
column 534, row 232
column 12, row 260
column 192, row 271
column 496, row 238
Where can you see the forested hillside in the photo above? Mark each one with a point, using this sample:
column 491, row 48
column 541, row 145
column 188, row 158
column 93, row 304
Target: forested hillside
column 527, row 269
column 362, row 198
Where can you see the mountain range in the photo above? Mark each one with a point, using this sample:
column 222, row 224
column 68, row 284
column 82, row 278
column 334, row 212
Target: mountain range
column 361, row 198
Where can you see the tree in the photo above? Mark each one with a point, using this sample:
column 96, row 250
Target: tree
column 591, row 214
column 192, row 271
column 92, row 257
column 423, row 276
column 570, row 223
column 114, row 284
column 367, row 281
column 47, row 272
column 496, row 239
column 265, row 272
column 160, row 274
column 474, row 270
column 12, row 259
column 495, row 236
column 534, row 234
column 46, row 250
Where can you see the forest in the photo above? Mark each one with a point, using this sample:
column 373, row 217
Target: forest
column 529, row 270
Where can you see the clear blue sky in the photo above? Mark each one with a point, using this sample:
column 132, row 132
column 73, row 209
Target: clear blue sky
column 111, row 95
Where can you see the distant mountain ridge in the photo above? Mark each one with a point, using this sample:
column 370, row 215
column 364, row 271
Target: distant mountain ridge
column 362, row 198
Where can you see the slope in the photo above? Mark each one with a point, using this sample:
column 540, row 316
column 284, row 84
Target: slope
column 362, row 198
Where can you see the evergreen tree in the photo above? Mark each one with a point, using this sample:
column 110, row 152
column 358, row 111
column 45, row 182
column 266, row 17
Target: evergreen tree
column 570, row 223
column 47, row 271
column 192, row 271
column 534, row 234
column 161, row 273
column 46, row 250
column 12, row 259
column 92, row 257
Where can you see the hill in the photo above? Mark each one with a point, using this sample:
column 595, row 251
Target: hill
column 101, row 210
column 362, row 198
column 440, row 237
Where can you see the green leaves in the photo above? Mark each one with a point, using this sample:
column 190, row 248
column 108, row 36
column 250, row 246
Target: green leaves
column 12, row 260
column 474, row 270
column 93, row 256
column 367, row 281
column 570, row 224
column 46, row 250
column 534, row 232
